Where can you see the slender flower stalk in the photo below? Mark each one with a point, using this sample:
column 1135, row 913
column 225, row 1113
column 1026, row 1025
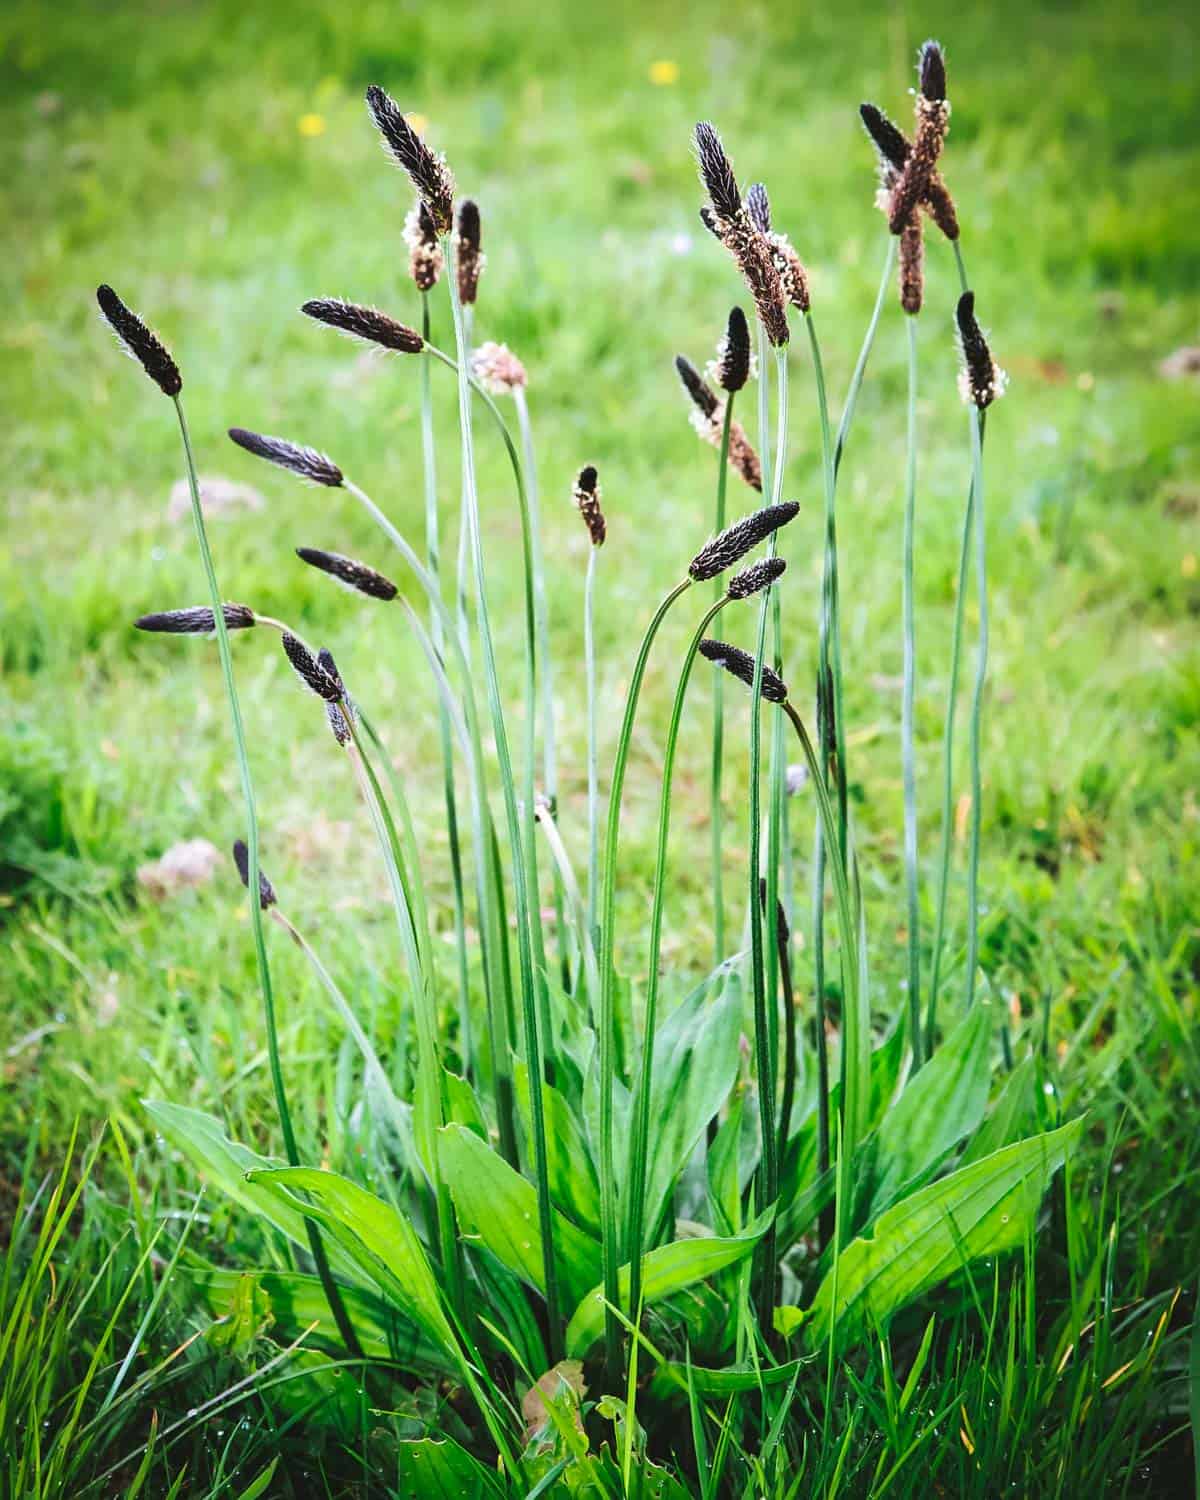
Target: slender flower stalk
column 977, row 421
column 587, row 500
column 907, row 723
column 717, row 813
column 532, row 985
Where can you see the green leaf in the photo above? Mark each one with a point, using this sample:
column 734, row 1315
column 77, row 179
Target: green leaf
column 665, row 1271
column 979, row 1210
column 573, row 1183
column 227, row 1165
column 724, row 1179
column 728, row 1382
column 1017, row 1112
column 941, row 1105
column 439, row 1469
column 499, row 1207
column 258, row 1485
column 382, row 1241
column 695, row 1066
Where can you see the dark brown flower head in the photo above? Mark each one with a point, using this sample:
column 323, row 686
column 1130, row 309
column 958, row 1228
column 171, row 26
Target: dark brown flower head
column 703, row 396
column 307, row 462
column 758, row 576
column 732, row 369
column 912, row 265
column 731, row 545
column 326, row 662
column 139, row 342
column 241, row 858
column 758, row 206
column 716, row 172
column 340, row 715
column 981, row 380
column 310, row 672
column 914, row 183
column 366, row 323
column 889, row 140
column 792, row 275
column 587, row 497
column 709, row 220
column 740, row 664
column 754, row 257
column 931, row 70
column 425, row 259
column 429, row 173
column 197, row 621
column 354, row 575
column 468, row 251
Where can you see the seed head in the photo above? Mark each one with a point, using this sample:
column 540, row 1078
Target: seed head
column 758, row 576
column 340, row 715
column 316, row 467
column 310, row 671
column 931, row 70
column 732, row 544
column 716, row 172
column 706, row 400
column 889, row 140
column 498, row 370
column 913, row 185
column 366, row 323
column 139, row 342
column 740, row 664
column 425, row 259
column 354, row 575
column 241, row 858
column 758, row 206
column 468, row 252
column 912, row 265
column 198, row 620
column 429, row 173
column 981, row 380
column 587, row 497
column 732, row 367
column 792, row 275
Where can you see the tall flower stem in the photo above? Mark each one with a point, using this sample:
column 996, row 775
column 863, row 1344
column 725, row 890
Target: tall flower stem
column 860, row 367
column 764, row 976
column 433, row 558
column 609, row 1208
column 491, row 928
column 635, row 1224
column 907, row 730
column 593, row 779
column 523, row 859
column 333, row 1296
column 977, row 421
column 717, row 815
column 545, row 665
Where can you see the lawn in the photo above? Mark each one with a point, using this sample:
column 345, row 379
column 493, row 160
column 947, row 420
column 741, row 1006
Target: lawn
column 216, row 164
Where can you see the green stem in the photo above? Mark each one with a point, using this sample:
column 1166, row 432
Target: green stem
column 977, row 420
column 523, row 858
column 610, row 1251
column 332, row 1295
column 433, row 554
column 593, row 780
column 636, row 1179
column 860, row 367
column 717, row 815
column 907, row 728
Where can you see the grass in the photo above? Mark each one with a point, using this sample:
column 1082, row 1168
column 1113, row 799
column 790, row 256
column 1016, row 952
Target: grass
column 216, row 165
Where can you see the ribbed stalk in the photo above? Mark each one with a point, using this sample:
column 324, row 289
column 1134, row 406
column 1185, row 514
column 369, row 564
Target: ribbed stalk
column 593, row 779
column 907, row 726
column 977, row 419
column 332, row 1295
column 717, row 815
column 531, row 983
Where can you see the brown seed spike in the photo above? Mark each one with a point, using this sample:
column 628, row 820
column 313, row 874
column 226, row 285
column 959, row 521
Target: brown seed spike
column 429, row 173
column 758, row 576
column 310, row 672
column 889, row 140
column 716, row 172
column 731, row 545
column 241, row 858
column 933, row 120
column 932, row 71
column 758, row 206
column 912, row 265
column 366, row 323
column 733, row 353
column 468, row 251
column 425, row 259
column 703, row 396
column 982, row 380
column 196, row 621
column 307, row 462
column 586, row 495
column 139, row 342
column 740, row 664
column 354, row 575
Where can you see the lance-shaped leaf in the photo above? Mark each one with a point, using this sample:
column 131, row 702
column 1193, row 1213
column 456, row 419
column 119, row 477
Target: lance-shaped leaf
column 982, row 1209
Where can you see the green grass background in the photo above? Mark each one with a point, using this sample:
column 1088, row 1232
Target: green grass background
column 163, row 147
